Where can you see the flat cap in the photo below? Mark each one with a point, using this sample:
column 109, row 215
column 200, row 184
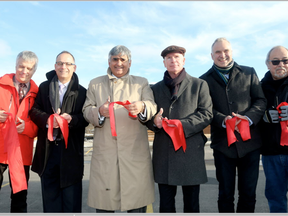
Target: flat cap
column 171, row 49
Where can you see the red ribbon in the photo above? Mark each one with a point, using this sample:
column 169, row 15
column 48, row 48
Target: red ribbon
column 283, row 124
column 14, row 156
column 243, row 127
column 112, row 115
column 174, row 129
column 63, row 124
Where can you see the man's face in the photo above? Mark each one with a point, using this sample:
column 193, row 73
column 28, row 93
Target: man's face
column 119, row 65
column 222, row 53
column 24, row 70
column 278, row 71
column 64, row 71
column 174, row 63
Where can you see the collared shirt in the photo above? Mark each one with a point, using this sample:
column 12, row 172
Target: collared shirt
column 16, row 84
column 62, row 93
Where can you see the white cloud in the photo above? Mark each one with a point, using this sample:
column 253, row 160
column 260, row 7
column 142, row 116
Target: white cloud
column 35, row 3
column 5, row 49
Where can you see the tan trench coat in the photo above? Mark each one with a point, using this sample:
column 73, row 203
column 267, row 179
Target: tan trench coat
column 121, row 176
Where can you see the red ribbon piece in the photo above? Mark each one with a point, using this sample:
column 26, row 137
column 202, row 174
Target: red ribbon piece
column 14, row 156
column 112, row 115
column 283, row 124
column 174, row 129
column 63, row 124
column 243, row 127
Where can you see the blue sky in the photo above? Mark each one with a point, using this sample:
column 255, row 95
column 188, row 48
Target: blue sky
column 90, row 29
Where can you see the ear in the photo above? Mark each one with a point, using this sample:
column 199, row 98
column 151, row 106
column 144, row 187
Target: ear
column 75, row 68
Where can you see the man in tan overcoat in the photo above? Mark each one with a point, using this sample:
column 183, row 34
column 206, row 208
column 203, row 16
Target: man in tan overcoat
column 121, row 176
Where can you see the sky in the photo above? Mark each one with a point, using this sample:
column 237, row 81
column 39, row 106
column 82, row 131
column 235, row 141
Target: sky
column 90, row 29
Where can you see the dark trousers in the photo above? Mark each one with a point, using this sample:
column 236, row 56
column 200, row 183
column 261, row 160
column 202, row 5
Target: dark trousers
column 18, row 200
column 190, row 198
column 248, row 171
column 137, row 210
column 56, row 198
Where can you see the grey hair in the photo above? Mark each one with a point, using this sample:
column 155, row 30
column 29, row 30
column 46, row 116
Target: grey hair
column 268, row 54
column 66, row 53
column 120, row 49
column 218, row 40
column 28, row 56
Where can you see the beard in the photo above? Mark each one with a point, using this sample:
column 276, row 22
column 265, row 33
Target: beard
column 280, row 73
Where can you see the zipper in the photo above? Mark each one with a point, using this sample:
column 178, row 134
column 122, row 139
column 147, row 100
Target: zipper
column 28, row 107
column 10, row 103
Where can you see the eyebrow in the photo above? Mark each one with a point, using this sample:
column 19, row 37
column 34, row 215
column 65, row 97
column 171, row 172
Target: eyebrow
column 122, row 59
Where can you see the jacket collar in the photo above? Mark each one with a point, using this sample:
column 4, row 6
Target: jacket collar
column 111, row 76
column 234, row 71
column 74, row 82
column 182, row 88
column 7, row 79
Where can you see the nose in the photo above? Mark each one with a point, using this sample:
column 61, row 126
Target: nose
column 25, row 70
column 64, row 65
column 222, row 54
column 119, row 62
column 281, row 64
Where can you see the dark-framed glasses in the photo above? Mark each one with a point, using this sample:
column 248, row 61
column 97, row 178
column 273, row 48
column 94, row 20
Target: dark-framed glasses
column 277, row 62
column 59, row 63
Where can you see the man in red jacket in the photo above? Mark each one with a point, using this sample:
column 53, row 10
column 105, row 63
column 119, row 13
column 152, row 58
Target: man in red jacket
column 17, row 95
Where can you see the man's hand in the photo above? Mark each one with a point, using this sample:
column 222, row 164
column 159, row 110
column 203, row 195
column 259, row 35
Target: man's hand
column 104, row 108
column 3, row 116
column 20, row 125
column 226, row 118
column 55, row 123
column 67, row 117
column 158, row 119
column 135, row 107
column 284, row 113
column 239, row 120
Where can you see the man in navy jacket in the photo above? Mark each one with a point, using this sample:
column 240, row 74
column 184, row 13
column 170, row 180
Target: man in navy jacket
column 236, row 92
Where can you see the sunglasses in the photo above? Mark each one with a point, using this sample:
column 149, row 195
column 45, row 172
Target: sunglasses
column 277, row 62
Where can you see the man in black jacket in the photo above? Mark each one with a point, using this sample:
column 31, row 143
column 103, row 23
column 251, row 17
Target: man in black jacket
column 275, row 150
column 59, row 157
column 236, row 93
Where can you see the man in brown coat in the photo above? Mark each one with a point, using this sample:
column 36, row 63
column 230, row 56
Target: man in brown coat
column 121, row 175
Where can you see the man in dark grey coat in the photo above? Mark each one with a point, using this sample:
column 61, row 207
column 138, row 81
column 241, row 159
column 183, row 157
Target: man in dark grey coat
column 186, row 99
column 235, row 92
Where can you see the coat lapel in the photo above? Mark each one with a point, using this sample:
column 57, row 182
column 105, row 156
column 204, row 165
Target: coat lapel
column 183, row 85
column 165, row 90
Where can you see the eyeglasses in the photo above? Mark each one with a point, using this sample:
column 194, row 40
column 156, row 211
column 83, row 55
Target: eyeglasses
column 277, row 62
column 66, row 63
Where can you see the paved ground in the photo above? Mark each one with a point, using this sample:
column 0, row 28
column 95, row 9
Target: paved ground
column 208, row 191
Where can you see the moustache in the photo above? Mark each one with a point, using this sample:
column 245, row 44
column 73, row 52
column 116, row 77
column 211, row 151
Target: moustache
column 281, row 68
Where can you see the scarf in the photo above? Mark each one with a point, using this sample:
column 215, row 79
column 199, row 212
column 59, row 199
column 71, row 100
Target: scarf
column 222, row 71
column 54, row 94
column 174, row 84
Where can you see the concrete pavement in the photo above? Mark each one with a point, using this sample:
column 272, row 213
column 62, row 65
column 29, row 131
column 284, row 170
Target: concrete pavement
column 208, row 191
